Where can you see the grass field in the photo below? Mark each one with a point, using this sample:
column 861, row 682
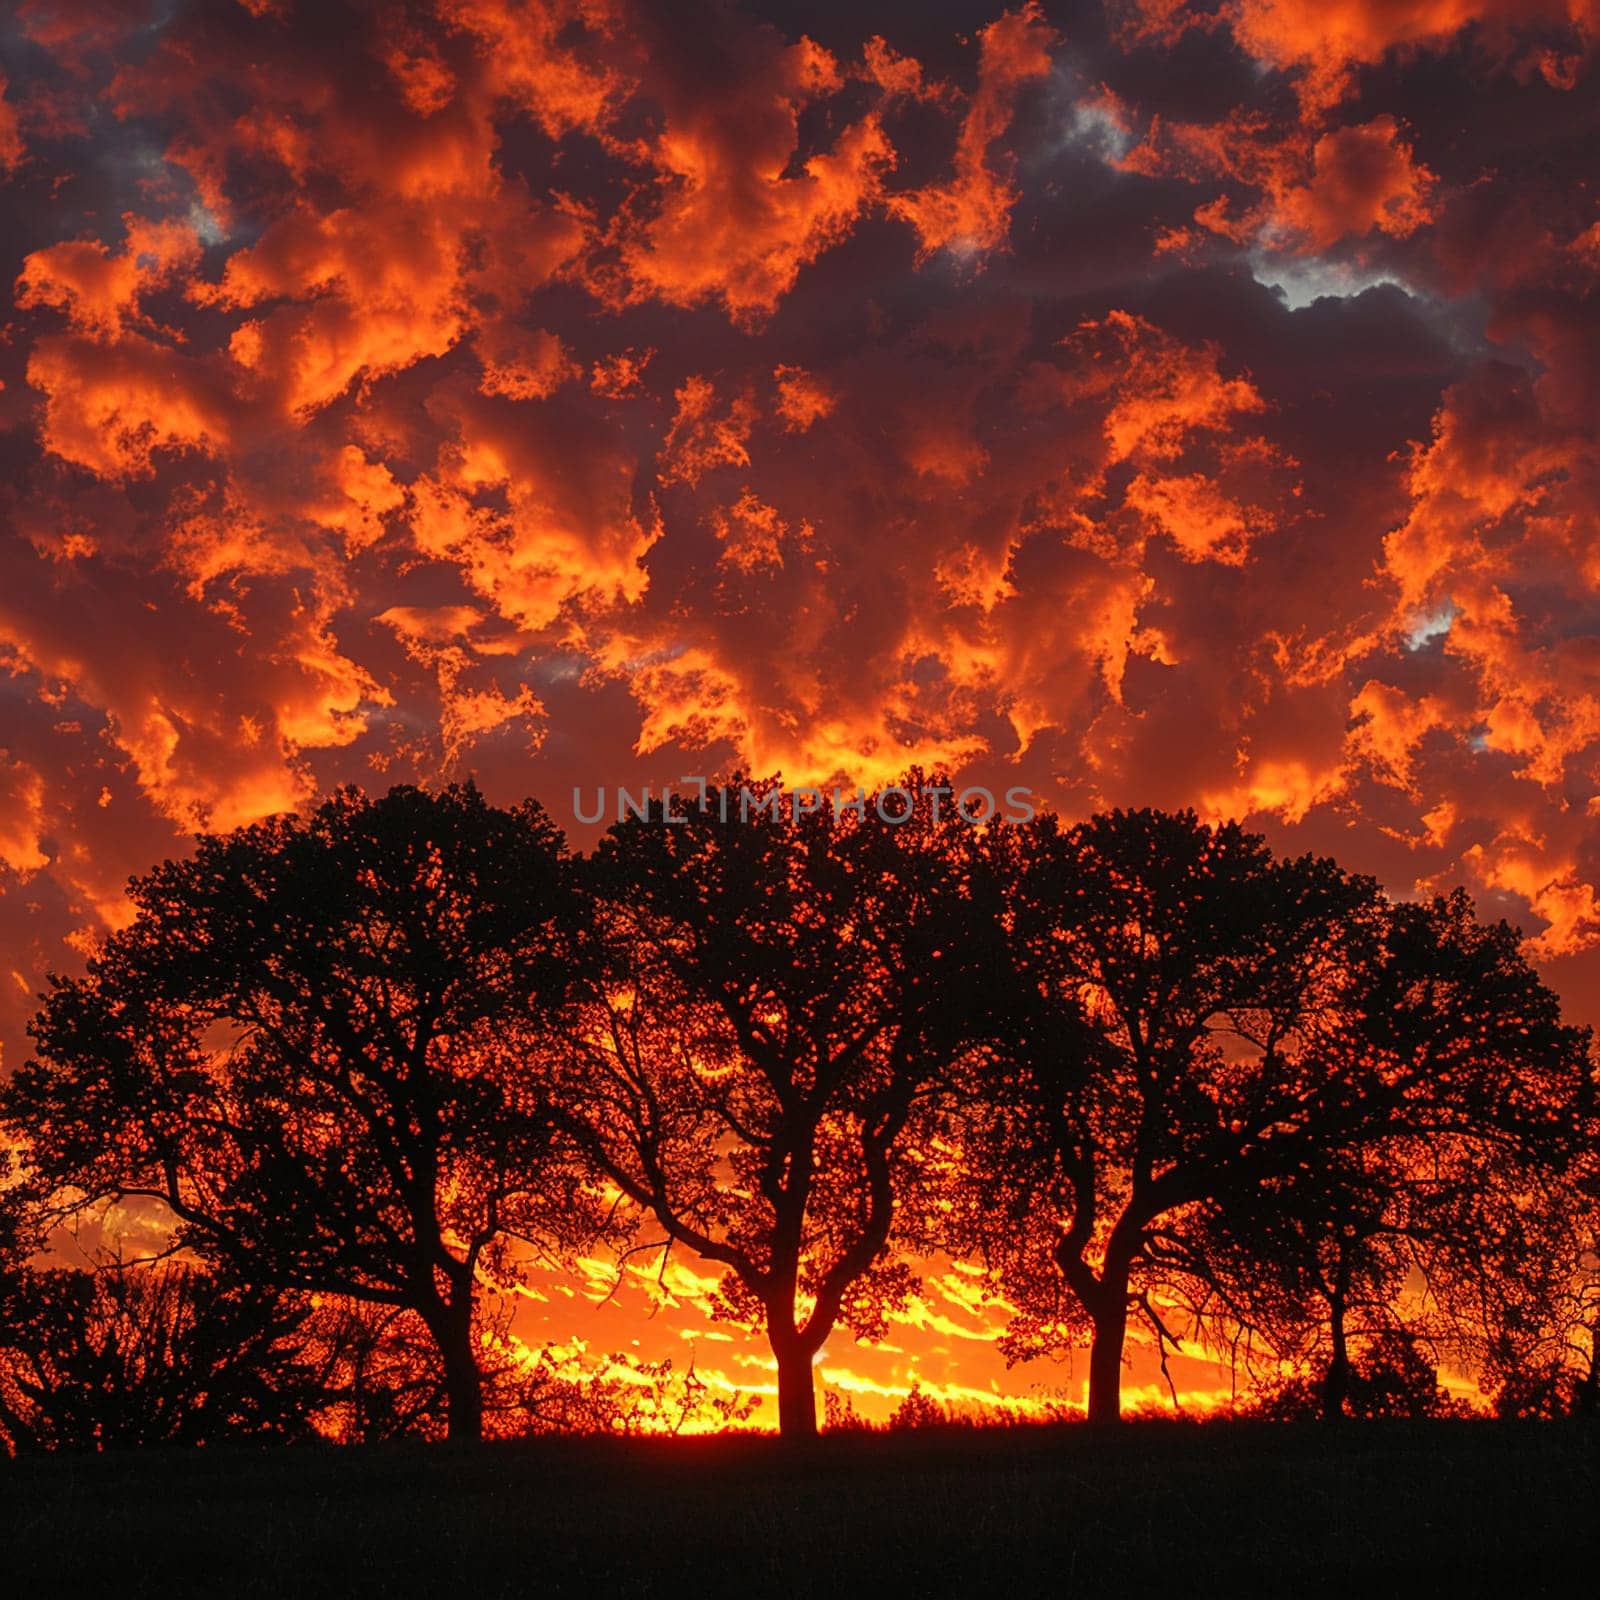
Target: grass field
column 1368, row 1509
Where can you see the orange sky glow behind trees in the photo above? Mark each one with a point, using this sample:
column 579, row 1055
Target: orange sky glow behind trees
column 1148, row 402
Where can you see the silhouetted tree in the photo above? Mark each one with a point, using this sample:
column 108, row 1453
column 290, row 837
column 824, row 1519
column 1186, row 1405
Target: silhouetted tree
column 298, row 1046
column 773, row 1002
column 150, row 1354
column 1520, row 1296
column 1326, row 1265
column 1204, row 1033
column 382, row 1379
column 920, row 1410
column 1450, row 1220
column 1391, row 1376
column 623, row 1395
column 382, row 1374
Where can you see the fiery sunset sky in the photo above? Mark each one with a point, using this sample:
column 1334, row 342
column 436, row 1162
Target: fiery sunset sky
column 1143, row 402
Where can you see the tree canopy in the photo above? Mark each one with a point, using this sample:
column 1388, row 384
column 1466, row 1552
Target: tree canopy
column 767, row 1004
column 297, row 1047
column 378, row 1059
column 1210, row 1043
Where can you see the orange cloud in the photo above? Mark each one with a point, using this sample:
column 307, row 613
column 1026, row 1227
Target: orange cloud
column 970, row 214
column 522, row 364
column 1327, row 41
column 753, row 535
column 1363, row 178
column 205, row 755
column 1548, row 880
column 1324, row 42
column 21, row 817
column 544, row 58
column 1156, row 392
column 457, row 645
column 569, row 394
column 568, row 529
column 347, row 300
column 803, row 399
column 702, row 436
column 731, row 220
column 362, row 493
column 1309, row 194
column 99, row 291
column 113, row 408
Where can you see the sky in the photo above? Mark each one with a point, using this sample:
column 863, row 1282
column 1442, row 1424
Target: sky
column 1143, row 403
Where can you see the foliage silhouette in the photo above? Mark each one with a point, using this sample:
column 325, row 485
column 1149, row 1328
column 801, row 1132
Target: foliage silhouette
column 1211, row 1044
column 297, row 1047
column 150, row 1354
column 770, row 1003
column 1391, row 1377
column 368, row 1064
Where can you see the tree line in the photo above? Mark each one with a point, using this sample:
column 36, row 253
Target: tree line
column 368, row 1064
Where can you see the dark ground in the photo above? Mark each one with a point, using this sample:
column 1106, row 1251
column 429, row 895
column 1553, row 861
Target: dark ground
column 1290, row 1510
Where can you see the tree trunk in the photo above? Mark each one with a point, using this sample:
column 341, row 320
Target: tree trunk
column 463, row 1383
column 1105, row 1357
column 792, row 1347
column 1336, row 1380
column 797, row 1396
